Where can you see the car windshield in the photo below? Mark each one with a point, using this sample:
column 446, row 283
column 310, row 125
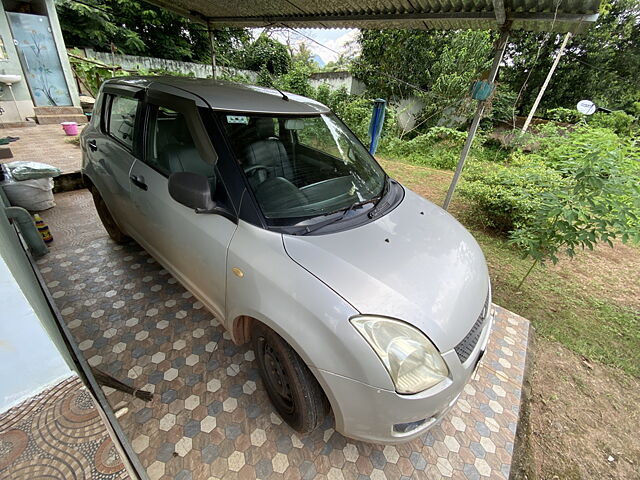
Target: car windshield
column 301, row 167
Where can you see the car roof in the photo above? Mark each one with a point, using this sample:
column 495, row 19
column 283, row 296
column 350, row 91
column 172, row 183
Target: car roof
column 223, row 95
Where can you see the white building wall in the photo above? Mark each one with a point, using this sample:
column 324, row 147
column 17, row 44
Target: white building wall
column 336, row 80
column 29, row 361
column 132, row 62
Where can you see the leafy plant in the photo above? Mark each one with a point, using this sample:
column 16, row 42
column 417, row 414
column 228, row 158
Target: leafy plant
column 581, row 188
column 139, row 28
column 620, row 122
column 441, row 64
column 439, row 147
column 264, row 53
column 598, row 199
column 92, row 72
column 602, row 64
column 565, row 115
column 296, row 80
column 504, row 197
column 502, row 105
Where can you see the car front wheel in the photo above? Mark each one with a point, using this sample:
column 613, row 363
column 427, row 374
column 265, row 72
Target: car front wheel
column 292, row 388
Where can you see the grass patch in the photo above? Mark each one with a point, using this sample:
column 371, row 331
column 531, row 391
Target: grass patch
column 592, row 316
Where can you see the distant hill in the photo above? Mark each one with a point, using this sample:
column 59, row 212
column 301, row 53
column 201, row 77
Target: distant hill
column 318, row 60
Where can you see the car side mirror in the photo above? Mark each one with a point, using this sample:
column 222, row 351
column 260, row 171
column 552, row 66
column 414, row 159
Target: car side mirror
column 191, row 190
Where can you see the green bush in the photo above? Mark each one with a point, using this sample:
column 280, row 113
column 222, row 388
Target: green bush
column 504, row 197
column 296, row 80
column 356, row 113
column 620, row 122
column 565, row 115
column 439, row 147
column 581, row 187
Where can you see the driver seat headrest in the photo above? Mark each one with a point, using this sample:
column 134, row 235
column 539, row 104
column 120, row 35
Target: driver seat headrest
column 265, row 128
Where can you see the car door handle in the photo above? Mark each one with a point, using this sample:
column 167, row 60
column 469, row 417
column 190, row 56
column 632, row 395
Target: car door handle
column 138, row 182
column 93, row 146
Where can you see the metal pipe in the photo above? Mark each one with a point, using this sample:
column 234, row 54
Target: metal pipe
column 28, row 230
column 546, row 83
column 15, row 103
column 501, row 45
column 212, row 39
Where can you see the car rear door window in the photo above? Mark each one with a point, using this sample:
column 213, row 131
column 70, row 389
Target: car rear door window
column 122, row 119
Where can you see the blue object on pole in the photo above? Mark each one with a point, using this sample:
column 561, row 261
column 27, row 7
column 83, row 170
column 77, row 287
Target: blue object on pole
column 482, row 89
column 377, row 120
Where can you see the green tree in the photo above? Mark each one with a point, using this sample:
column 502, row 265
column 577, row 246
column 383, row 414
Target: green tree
column 602, row 64
column 138, row 28
column 341, row 64
column 264, row 53
column 303, row 55
column 598, row 199
column 442, row 64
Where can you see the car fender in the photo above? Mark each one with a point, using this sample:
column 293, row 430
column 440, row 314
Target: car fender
column 265, row 284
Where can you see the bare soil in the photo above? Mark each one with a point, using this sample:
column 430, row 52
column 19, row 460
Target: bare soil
column 580, row 421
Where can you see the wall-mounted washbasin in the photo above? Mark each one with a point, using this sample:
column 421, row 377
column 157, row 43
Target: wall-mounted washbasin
column 8, row 79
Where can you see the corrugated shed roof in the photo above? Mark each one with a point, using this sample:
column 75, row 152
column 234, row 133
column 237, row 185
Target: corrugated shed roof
column 543, row 15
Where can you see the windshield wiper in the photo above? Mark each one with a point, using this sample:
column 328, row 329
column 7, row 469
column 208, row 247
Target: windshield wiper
column 316, row 226
column 380, row 206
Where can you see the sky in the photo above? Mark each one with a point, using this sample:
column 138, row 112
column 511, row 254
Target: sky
column 336, row 39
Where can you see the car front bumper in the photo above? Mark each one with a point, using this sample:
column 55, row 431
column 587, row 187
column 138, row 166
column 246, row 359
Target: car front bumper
column 371, row 414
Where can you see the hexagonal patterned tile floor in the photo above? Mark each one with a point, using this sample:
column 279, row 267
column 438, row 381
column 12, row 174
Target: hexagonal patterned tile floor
column 210, row 416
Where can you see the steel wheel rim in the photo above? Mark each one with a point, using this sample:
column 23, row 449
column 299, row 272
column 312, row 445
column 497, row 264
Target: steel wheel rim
column 276, row 378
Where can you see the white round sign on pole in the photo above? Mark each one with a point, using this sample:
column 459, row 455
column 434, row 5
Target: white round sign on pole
column 587, row 107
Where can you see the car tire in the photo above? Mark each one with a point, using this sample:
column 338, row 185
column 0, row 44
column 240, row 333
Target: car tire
column 292, row 388
column 107, row 220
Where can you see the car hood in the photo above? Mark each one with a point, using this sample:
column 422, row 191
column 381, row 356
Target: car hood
column 416, row 263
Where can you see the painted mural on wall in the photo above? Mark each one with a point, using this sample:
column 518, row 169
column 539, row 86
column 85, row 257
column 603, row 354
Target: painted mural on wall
column 39, row 58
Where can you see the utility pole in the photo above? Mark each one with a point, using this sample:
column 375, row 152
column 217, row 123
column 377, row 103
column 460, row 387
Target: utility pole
column 546, row 82
column 500, row 47
column 212, row 39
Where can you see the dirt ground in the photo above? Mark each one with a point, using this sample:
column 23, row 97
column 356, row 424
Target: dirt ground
column 581, row 420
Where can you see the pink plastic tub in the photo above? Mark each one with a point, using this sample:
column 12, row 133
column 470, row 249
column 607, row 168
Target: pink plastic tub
column 70, row 128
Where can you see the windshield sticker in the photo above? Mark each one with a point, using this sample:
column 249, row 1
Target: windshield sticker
column 238, row 119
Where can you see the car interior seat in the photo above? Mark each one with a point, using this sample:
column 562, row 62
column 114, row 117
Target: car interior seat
column 266, row 157
column 179, row 154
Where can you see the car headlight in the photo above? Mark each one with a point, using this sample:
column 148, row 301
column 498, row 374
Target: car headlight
column 413, row 362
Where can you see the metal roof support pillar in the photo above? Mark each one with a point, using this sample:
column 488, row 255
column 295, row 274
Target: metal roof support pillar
column 212, row 39
column 500, row 46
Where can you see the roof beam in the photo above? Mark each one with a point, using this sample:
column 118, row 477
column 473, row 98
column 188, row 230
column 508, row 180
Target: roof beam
column 315, row 18
column 568, row 20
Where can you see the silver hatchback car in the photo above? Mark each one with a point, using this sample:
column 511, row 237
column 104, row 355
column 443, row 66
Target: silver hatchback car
column 356, row 294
